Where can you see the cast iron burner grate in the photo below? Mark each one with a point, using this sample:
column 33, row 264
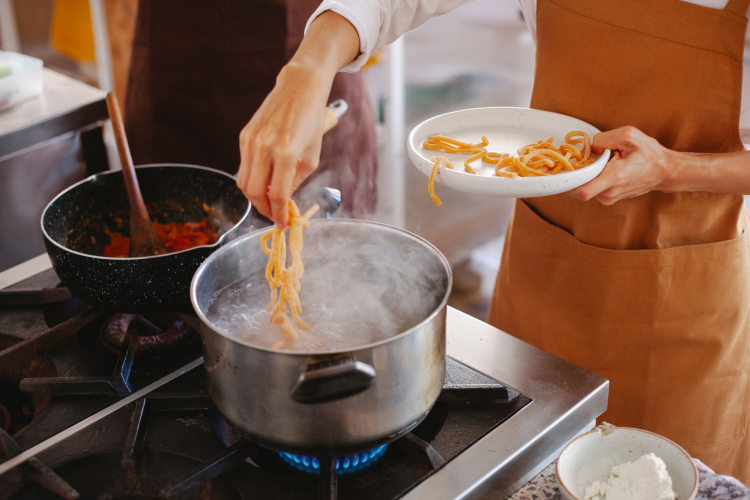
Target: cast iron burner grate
column 4, row 418
column 30, row 361
column 100, row 476
column 150, row 336
column 16, row 408
column 128, row 336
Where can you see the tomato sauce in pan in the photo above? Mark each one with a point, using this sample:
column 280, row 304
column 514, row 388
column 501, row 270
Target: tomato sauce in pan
column 176, row 236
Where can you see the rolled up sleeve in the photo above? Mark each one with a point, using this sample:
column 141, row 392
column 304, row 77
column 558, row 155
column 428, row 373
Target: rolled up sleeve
column 381, row 22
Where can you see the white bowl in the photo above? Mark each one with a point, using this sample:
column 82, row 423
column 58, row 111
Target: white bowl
column 591, row 456
column 507, row 129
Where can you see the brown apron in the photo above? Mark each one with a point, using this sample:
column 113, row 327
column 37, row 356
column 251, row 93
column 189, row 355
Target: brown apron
column 200, row 69
column 652, row 292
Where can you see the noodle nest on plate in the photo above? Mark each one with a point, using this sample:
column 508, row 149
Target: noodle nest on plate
column 534, row 160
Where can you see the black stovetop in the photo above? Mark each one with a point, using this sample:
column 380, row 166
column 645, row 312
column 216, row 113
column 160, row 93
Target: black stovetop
column 173, row 442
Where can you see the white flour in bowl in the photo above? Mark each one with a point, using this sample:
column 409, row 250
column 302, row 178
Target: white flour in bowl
column 645, row 479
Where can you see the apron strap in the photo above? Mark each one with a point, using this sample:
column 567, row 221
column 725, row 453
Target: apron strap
column 738, row 7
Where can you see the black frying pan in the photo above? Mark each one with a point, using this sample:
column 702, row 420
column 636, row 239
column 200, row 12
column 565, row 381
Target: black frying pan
column 74, row 234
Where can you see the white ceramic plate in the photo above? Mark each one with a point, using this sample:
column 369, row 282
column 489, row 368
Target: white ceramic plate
column 507, row 129
column 591, row 456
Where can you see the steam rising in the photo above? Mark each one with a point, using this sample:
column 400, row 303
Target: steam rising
column 362, row 283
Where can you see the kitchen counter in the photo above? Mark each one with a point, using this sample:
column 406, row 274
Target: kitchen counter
column 712, row 486
column 47, row 143
column 66, row 105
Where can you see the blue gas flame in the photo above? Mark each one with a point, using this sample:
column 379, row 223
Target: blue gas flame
column 344, row 465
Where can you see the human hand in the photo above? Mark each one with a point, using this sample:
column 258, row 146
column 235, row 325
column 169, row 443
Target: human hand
column 639, row 164
column 280, row 146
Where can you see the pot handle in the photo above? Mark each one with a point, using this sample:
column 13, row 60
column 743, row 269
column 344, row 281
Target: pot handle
column 332, row 380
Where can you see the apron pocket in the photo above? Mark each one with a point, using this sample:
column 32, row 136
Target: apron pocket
column 669, row 329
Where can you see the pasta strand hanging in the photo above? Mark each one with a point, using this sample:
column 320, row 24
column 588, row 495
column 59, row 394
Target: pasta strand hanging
column 285, row 281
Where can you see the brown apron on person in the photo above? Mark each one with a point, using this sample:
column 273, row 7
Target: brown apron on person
column 200, row 69
column 653, row 292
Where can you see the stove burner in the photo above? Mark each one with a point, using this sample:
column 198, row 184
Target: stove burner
column 16, row 408
column 150, row 336
column 5, row 422
column 344, row 465
column 165, row 448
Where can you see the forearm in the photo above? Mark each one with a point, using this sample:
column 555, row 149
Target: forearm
column 330, row 44
column 712, row 173
column 639, row 164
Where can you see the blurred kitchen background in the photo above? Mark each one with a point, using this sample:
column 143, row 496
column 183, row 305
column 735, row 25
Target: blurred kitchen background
column 479, row 55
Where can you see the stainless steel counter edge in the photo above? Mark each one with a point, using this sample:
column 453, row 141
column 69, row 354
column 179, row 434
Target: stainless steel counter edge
column 25, row 270
column 566, row 399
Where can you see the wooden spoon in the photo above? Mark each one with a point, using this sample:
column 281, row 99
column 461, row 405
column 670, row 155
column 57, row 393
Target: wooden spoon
column 144, row 242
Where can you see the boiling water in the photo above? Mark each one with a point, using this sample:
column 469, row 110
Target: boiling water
column 348, row 309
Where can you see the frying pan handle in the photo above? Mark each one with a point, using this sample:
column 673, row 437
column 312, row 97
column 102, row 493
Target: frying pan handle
column 332, row 380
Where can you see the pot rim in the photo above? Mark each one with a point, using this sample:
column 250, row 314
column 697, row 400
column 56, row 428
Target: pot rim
column 126, row 259
column 253, row 234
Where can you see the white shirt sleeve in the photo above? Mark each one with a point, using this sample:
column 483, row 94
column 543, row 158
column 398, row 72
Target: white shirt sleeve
column 381, row 22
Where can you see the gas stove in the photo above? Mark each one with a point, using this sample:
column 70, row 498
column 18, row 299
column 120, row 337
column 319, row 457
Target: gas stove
column 95, row 404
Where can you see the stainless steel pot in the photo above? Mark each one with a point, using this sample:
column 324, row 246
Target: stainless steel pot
column 343, row 400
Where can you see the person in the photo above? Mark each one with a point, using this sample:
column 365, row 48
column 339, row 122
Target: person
column 198, row 72
column 643, row 274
